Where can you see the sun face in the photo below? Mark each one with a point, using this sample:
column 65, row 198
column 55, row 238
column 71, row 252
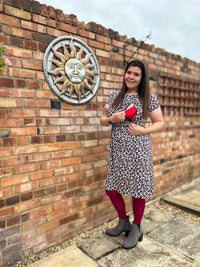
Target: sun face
column 73, row 71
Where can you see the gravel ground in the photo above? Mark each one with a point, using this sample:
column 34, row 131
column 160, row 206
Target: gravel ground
column 91, row 233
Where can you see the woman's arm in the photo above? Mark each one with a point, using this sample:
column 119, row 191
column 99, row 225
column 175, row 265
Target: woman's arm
column 116, row 117
column 157, row 124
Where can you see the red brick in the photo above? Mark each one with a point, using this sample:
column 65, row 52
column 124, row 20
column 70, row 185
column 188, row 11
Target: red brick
column 34, row 85
column 52, row 12
column 67, row 28
column 4, row 39
column 23, row 131
column 20, row 179
column 7, row 123
column 68, row 219
column 29, row 64
column 5, row 172
column 9, row 162
column 29, row 25
column 47, row 182
column 22, row 93
column 71, row 161
column 51, row 199
column 9, row 20
column 33, row 223
column 18, row 52
column 71, row 145
column 3, row 93
column 23, row 73
column 25, row 140
column 17, row 32
column 15, row 12
column 9, row 142
column 5, row 82
column 44, row 10
column 4, row 152
column 57, row 214
column 6, row 212
column 41, row 174
column 26, row 206
column 30, row 45
column 47, row 113
column 47, row 227
column 41, row 212
column 24, row 150
column 62, row 205
column 37, row 103
column 51, row 147
column 26, row 168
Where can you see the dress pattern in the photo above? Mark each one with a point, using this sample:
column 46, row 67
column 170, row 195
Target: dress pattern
column 130, row 163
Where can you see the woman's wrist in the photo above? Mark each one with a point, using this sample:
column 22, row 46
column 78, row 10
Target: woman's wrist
column 109, row 120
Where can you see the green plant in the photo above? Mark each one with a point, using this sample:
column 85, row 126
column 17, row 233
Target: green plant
column 2, row 60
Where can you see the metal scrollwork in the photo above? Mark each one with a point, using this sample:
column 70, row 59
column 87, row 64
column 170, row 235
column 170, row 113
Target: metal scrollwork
column 71, row 70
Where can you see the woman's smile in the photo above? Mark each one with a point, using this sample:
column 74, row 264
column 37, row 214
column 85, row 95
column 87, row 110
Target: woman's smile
column 133, row 77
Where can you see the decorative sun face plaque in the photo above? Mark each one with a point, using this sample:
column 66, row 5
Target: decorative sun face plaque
column 71, row 70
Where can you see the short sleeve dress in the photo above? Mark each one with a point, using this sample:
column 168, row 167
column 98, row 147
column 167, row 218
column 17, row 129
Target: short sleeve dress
column 130, row 163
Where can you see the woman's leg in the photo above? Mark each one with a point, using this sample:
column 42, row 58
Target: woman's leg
column 138, row 205
column 124, row 224
column 136, row 233
column 118, row 203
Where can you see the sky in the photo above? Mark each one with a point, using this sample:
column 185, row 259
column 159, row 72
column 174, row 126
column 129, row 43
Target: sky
column 174, row 24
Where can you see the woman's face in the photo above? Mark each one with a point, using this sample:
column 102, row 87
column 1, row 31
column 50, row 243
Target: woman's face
column 133, row 78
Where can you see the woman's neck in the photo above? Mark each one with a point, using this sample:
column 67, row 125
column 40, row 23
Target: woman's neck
column 131, row 92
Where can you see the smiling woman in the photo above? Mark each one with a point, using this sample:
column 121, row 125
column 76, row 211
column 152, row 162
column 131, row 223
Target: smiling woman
column 130, row 166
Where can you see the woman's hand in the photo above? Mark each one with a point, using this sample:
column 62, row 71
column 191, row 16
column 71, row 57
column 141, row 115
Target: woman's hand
column 135, row 129
column 118, row 117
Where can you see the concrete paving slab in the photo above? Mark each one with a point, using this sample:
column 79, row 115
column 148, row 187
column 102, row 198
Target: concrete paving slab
column 68, row 257
column 147, row 253
column 182, row 204
column 175, row 233
column 191, row 248
column 97, row 247
column 188, row 198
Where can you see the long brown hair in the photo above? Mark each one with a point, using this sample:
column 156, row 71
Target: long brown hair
column 143, row 88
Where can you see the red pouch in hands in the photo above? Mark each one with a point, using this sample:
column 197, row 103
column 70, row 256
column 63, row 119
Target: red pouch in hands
column 130, row 113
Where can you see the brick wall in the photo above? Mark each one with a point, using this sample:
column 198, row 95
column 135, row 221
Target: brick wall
column 54, row 155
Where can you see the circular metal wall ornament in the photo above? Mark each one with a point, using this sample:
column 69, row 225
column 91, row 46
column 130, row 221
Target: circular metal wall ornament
column 71, row 70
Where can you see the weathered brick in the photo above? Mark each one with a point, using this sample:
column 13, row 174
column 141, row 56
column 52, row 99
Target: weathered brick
column 13, row 221
column 35, row 7
column 6, row 212
column 9, row 20
column 23, row 73
column 6, row 82
column 17, row 32
column 15, row 12
column 26, row 206
column 24, row 150
column 26, row 168
column 12, row 200
column 47, row 227
column 11, row 255
column 26, row 196
column 23, row 131
column 41, row 174
column 68, row 219
column 51, row 199
column 14, row 180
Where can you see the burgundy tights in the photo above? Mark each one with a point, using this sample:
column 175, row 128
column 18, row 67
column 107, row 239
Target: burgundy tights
column 138, row 205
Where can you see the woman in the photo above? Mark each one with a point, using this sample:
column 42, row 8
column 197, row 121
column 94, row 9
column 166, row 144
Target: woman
column 130, row 166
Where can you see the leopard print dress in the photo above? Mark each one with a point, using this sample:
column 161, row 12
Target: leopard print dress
column 130, row 163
